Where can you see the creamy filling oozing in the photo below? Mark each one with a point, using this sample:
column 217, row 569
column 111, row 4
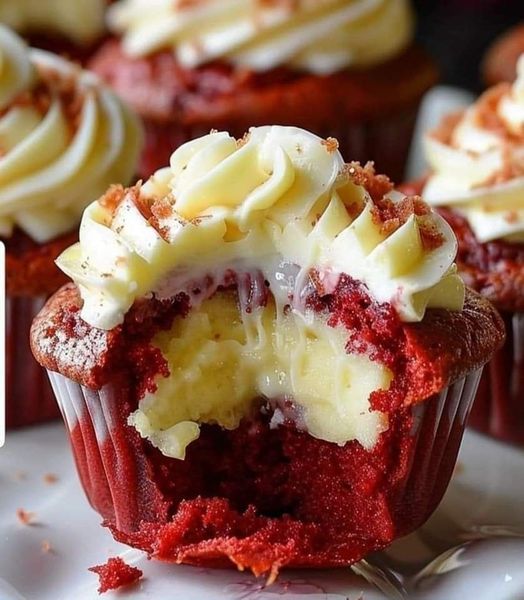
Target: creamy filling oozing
column 226, row 358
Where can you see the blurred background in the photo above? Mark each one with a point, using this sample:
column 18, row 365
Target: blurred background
column 457, row 32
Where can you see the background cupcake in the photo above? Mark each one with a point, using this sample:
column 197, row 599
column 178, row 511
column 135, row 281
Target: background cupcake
column 71, row 27
column 500, row 61
column 258, row 373
column 64, row 138
column 477, row 181
column 338, row 68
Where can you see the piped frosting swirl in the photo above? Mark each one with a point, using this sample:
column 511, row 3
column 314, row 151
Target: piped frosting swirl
column 319, row 36
column 477, row 163
column 64, row 138
column 281, row 196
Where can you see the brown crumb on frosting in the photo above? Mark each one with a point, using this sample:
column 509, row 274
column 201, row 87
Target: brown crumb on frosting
column 46, row 547
column 243, row 140
column 161, row 208
column 331, row 144
column 390, row 215
column 25, row 517
column 112, row 198
column 443, row 132
column 54, row 84
column 511, row 216
column 377, row 186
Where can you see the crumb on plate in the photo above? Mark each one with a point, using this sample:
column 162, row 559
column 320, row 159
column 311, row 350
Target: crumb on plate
column 114, row 574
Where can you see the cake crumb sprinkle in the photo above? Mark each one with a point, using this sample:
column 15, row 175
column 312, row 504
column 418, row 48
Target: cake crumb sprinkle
column 331, row 144
column 25, row 517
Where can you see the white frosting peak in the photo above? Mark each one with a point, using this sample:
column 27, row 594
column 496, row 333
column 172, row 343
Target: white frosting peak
column 64, row 137
column 478, row 168
column 320, row 36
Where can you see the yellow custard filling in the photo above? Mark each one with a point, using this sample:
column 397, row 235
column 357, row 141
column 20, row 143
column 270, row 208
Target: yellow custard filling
column 222, row 360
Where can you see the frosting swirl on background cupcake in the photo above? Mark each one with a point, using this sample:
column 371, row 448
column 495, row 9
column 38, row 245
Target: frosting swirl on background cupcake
column 319, row 36
column 81, row 21
column 477, row 163
column 280, row 202
column 64, row 138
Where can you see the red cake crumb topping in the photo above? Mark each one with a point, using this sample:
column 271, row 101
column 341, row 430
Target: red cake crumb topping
column 331, row 144
column 114, row 574
column 112, row 198
column 392, row 215
column 54, row 84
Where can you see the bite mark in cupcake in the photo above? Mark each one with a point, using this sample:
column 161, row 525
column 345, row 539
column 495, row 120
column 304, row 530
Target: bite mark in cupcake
column 273, row 346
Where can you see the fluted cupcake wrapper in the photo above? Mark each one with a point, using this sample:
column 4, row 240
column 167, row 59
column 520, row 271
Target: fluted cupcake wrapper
column 29, row 398
column 116, row 477
column 499, row 406
column 385, row 140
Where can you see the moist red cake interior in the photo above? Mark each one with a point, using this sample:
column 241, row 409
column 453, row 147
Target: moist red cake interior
column 263, row 497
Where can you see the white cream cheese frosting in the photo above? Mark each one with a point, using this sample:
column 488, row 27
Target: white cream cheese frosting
column 280, row 194
column 478, row 166
column 272, row 208
column 81, row 21
column 64, row 138
column 319, row 36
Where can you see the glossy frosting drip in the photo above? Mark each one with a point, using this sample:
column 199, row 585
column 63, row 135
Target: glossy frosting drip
column 81, row 21
column 477, row 162
column 64, row 138
column 319, row 36
column 299, row 364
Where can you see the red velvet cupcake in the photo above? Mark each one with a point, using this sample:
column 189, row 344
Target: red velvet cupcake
column 64, row 138
column 73, row 28
column 500, row 61
column 268, row 357
column 477, row 181
column 336, row 67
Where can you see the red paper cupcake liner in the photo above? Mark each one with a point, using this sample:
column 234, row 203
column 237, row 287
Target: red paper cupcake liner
column 499, row 406
column 29, row 397
column 385, row 140
column 121, row 484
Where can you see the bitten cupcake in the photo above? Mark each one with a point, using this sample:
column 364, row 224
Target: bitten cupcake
column 477, row 181
column 64, row 138
column 267, row 357
column 500, row 61
column 342, row 68
column 71, row 27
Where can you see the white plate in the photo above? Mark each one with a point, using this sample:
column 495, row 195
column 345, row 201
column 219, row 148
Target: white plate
column 472, row 546
column 483, row 504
